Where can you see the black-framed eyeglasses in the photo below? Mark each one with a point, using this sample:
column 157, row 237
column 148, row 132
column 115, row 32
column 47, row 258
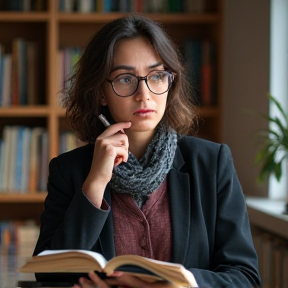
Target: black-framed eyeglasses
column 157, row 81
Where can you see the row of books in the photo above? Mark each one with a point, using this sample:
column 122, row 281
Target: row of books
column 272, row 258
column 18, row 233
column 199, row 56
column 138, row 6
column 23, row 5
column 67, row 58
column 68, row 141
column 19, row 73
column 24, row 158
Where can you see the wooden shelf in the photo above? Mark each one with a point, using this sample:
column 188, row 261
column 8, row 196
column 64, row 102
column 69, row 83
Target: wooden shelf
column 24, row 16
column 177, row 18
column 60, row 111
column 25, row 111
column 37, row 197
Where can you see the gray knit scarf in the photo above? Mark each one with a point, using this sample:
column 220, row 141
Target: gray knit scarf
column 141, row 178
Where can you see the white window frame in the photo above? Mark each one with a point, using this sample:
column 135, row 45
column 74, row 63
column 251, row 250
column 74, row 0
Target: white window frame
column 279, row 80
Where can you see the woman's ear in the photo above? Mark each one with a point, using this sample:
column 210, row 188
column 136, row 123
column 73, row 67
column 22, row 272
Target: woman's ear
column 103, row 100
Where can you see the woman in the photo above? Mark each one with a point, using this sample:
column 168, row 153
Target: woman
column 142, row 175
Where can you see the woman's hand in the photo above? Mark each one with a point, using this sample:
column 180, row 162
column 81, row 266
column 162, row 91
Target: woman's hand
column 119, row 279
column 111, row 148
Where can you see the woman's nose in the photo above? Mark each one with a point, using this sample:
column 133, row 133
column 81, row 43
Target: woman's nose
column 143, row 92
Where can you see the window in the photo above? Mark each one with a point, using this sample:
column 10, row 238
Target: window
column 279, row 79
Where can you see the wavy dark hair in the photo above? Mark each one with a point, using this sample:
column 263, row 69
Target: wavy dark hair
column 82, row 98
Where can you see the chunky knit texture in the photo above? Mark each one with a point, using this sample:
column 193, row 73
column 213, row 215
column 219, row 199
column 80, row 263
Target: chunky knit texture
column 141, row 178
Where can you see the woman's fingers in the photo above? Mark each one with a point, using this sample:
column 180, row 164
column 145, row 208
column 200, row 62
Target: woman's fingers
column 116, row 128
column 111, row 148
column 121, row 280
column 115, row 140
column 127, row 280
column 97, row 281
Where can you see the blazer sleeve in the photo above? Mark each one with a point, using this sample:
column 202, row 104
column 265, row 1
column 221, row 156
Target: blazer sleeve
column 66, row 207
column 233, row 260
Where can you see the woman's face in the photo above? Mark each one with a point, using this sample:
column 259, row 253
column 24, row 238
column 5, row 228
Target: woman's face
column 144, row 108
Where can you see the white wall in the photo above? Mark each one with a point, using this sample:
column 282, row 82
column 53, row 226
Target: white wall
column 246, row 83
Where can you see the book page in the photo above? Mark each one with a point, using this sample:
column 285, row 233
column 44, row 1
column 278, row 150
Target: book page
column 166, row 270
column 99, row 258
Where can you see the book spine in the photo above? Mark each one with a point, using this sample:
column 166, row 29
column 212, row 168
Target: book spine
column 2, row 63
column 4, row 159
column 7, row 81
column 107, row 6
column 43, row 161
column 68, row 141
column 138, row 6
column 194, row 6
column 2, row 167
column 85, row 6
column 22, row 72
column 32, row 80
column 12, row 141
column 25, row 159
column 34, row 156
column 99, row 6
column 68, row 6
column 207, row 74
column 18, row 160
column 15, row 72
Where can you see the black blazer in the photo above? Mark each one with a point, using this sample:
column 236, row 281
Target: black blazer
column 210, row 226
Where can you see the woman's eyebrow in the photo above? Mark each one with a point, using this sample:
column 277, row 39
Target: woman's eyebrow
column 126, row 67
column 155, row 65
column 122, row 67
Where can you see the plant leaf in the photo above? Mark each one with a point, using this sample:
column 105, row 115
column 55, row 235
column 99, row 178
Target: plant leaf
column 277, row 103
column 278, row 171
column 273, row 140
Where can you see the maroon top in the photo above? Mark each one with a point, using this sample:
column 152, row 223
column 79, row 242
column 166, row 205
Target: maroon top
column 146, row 233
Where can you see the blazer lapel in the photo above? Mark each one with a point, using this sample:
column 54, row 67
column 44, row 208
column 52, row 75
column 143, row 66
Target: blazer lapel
column 179, row 191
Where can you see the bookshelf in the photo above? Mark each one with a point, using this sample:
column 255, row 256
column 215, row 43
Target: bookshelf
column 53, row 30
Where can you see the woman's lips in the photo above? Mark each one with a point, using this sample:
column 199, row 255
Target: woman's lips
column 144, row 111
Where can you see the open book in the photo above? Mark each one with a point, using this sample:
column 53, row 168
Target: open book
column 83, row 261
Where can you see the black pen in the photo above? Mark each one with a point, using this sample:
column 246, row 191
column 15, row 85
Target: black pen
column 106, row 123
column 104, row 120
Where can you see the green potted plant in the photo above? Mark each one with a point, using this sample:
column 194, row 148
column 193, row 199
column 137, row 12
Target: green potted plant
column 274, row 145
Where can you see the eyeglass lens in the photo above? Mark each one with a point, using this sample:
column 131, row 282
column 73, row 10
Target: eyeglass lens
column 158, row 82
